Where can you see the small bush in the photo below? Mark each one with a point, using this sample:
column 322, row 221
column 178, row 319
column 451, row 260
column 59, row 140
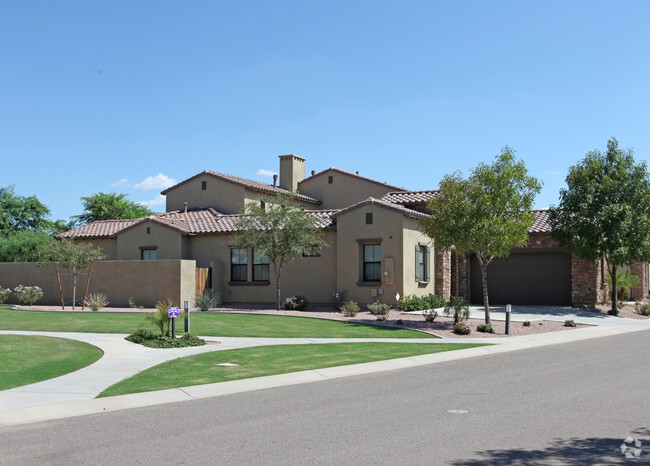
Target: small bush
column 296, row 303
column 613, row 312
column 379, row 310
column 458, row 308
column 462, row 329
column 4, row 294
column 207, row 300
column 419, row 303
column 96, row 301
column 132, row 303
column 640, row 308
column 349, row 308
column 28, row 294
column 429, row 315
column 569, row 323
column 161, row 318
column 485, row 328
column 339, row 298
column 526, row 323
column 146, row 338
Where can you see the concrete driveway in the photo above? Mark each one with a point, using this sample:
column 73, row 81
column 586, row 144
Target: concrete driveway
column 553, row 313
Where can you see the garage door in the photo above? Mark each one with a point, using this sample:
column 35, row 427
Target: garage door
column 524, row 278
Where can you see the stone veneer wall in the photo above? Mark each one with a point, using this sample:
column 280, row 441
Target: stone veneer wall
column 641, row 271
column 443, row 273
column 459, row 280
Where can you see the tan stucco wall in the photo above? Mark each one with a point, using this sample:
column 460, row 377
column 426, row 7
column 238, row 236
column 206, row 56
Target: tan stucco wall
column 225, row 197
column 314, row 277
column 146, row 281
column 412, row 236
column 344, row 191
column 169, row 243
column 108, row 246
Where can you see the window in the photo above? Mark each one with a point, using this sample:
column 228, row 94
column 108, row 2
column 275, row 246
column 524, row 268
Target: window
column 148, row 254
column 260, row 266
column 148, row 230
column 330, row 179
column 372, row 262
column 422, row 260
column 369, row 218
column 238, row 265
column 204, row 185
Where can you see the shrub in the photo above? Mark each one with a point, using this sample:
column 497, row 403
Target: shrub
column 458, row 308
column 642, row 309
column 429, row 315
column 96, row 301
column 379, row 310
column 296, row 303
column 349, row 308
column 28, row 294
column 526, row 323
column 132, row 303
column 146, row 338
column 569, row 323
column 4, row 294
column 613, row 312
column 161, row 318
column 419, row 303
column 485, row 328
column 462, row 329
column 207, row 300
column 339, row 298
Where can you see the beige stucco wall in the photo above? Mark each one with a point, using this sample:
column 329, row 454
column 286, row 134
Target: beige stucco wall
column 412, row 236
column 169, row 243
column 225, row 197
column 107, row 245
column 146, row 281
column 344, row 191
column 314, row 277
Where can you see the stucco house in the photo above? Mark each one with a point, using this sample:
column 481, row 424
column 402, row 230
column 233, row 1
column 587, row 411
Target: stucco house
column 375, row 247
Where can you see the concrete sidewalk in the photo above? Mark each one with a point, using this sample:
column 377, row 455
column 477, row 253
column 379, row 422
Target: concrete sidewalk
column 74, row 394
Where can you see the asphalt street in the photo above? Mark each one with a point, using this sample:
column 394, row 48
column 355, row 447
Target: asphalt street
column 574, row 403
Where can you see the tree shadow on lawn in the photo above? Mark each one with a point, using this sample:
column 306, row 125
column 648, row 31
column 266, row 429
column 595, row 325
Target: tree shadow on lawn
column 572, row 451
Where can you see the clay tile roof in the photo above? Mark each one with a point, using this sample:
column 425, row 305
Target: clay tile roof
column 541, row 224
column 227, row 223
column 387, row 205
column 249, row 184
column 409, row 197
column 100, row 229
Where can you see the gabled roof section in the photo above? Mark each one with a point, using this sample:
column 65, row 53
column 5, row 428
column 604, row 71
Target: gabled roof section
column 409, row 197
column 542, row 223
column 99, row 229
column 386, row 205
column 248, row 184
column 354, row 175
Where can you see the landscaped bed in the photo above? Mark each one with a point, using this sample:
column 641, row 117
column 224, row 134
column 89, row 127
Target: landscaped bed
column 28, row 359
column 267, row 360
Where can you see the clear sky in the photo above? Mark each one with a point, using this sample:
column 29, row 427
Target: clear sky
column 128, row 96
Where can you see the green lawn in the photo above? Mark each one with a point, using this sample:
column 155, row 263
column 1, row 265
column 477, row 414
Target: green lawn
column 267, row 360
column 205, row 324
column 28, row 359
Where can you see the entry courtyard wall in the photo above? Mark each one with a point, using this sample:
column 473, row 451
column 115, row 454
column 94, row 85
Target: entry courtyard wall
column 145, row 281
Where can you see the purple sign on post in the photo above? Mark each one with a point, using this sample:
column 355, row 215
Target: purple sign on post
column 172, row 312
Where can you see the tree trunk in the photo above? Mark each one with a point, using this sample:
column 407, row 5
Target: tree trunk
column 74, row 286
column 614, row 295
column 486, row 301
column 278, row 271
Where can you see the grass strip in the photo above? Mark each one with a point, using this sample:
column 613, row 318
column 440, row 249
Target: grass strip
column 267, row 360
column 204, row 324
column 28, row 359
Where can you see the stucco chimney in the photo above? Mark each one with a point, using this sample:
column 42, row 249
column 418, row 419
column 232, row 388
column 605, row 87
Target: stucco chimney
column 275, row 180
column 292, row 171
column 185, row 207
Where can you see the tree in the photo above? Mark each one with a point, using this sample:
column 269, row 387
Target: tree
column 111, row 206
column 488, row 213
column 18, row 213
column 604, row 212
column 72, row 256
column 22, row 246
column 279, row 229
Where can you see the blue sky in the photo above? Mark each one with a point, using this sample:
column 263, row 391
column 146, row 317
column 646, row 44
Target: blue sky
column 101, row 96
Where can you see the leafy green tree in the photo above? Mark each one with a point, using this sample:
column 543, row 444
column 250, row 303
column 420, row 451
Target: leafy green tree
column 70, row 255
column 110, row 206
column 22, row 246
column 18, row 213
column 604, row 213
column 279, row 229
column 487, row 213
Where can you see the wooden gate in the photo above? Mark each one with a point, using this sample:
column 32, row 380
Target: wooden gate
column 203, row 279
